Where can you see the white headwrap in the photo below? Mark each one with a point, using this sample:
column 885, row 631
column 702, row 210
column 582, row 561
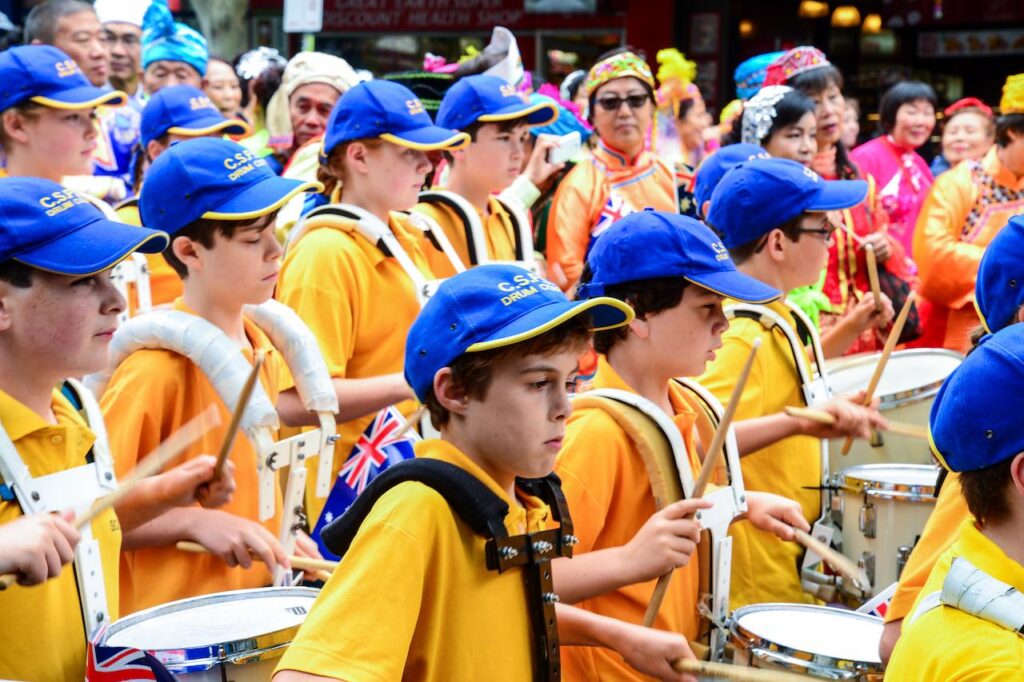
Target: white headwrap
column 303, row 69
column 759, row 113
column 122, row 11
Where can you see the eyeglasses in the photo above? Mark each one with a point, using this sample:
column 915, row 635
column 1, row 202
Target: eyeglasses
column 613, row 103
column 826, row 233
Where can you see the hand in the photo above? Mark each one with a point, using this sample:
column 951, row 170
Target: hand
column 193, row 481
column 665, row 542
column 37, row 546
column 538, row 170
column 852, row 418
column 775, row 514
column 306, row 547
column 864, row 315
column 236, row 540
column 652, row 651
column 880, row 242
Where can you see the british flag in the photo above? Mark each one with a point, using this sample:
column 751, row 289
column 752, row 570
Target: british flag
column 121, row 664
column 614, row 209
column 380, row 446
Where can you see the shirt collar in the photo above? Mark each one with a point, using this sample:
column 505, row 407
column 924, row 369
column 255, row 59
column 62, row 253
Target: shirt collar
column 20, row 421
column 616, row 160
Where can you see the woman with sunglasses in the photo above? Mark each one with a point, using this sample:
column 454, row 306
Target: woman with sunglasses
column 622, row 176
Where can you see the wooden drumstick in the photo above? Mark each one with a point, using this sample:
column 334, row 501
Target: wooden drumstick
column 152, row 463
column 236, row 416
column 876, row 291
column 890, row 345
column 822, row 417
column 735, row 673
column 322, row 567
column 410, row 422
column 714, row 456
column 837, row 561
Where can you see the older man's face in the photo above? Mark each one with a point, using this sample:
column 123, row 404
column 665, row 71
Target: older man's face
column 125, row 41
column 82, row 37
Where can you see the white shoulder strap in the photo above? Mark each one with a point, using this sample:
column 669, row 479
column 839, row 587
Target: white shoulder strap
column 476, row 240
column 973, row 591
column 133, row 270
column 434, row 232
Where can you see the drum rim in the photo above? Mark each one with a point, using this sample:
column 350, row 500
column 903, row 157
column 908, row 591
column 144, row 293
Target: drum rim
column 873, row 487
column 243, row 650
column 748, row 640
column 891, row 401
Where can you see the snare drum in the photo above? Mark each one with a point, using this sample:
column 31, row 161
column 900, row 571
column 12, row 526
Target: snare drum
column 905, row 391
column 884, row 508
column 817, row 641
column 234, row 636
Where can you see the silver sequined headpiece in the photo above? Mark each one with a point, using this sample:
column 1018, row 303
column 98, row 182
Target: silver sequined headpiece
column 759, row 113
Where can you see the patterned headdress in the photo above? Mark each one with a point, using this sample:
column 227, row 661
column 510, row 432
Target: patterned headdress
column 619, row 65
column 165, row 39
column 1013, row 96
column 793, row 63
column 676, row 74
column 749, row 76
column 759, row 113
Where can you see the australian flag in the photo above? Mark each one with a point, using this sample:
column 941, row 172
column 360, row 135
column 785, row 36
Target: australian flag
column 122, row 664
column 380, row 446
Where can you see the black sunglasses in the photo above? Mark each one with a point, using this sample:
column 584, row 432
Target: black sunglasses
column 613, row 103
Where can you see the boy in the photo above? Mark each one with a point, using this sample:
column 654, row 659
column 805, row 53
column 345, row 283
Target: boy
column 968, row 620
column 771, row 215
column 58, row 310
column 218, row 202
column 498, row 121
column 490, row 355
column 624, row 542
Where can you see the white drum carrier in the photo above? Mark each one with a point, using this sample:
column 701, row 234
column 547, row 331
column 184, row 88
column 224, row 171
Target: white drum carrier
column 131, row 276
column 226, row 368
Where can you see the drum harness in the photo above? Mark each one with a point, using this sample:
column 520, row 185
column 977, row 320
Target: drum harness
column 484, row 512
column 220, row 360
column 77, row 488
column 975, row 592
column 132, row 270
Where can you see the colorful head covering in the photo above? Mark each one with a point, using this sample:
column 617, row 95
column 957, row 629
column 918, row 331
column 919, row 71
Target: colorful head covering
column 303, row 69
column 749, row 76
column 759, row 113
column 122, row 11
column 730, row 111
column 968, row 103
column 793, row 63
column 1013, row 95
column 676, row 74
column 253, row 63
column 621, row 65
column 570, row 118
column 165, row 39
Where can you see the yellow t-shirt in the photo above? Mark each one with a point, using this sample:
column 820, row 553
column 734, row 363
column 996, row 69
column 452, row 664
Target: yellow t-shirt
column 609, row 494
column 764, row 568
column 413, row 599
column 938, row 535
column 41, row 626
column 949, row 644
column 498, row 232
column 151, row 395
column 360, row 305
column 164, row 283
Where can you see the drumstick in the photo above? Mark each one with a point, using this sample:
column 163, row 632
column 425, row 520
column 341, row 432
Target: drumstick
column 712, row 458
column 844, row 565
column 735, row 673
column 822, row 417
column 319, row 566
column 890, row 345
column 869, row 252
column 236, row 416
column 410, row 422
column 152, row 463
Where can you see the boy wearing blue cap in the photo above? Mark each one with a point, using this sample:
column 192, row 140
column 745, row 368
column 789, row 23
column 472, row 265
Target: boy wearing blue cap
column 498, row 121
column 771, row 215
column 58, row 311
column 625, row 541
column 490, row 355
column 218, row 202
column 968, row 621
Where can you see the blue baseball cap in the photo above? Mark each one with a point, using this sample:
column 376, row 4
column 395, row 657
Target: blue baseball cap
column 759, row 195
column 185, row 110
column 489, row 99
column 710, row 172
column 209, row 177
column 47, row 76
column 52, row 228
column 390, row 111
column 492, row 306
column 975, row 419
column 649, row 244
column 999, row 288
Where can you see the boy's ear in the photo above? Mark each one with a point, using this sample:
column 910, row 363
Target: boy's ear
column 14, row 125
column 1017, row 473
column 640, row 327
column 450, row 395
column 5, row 307
column 154, row 149
column 356, row 158
column 187, row 252
column 776, row 247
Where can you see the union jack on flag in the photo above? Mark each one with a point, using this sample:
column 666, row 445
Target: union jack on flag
column 122, row 664
column 614, row 209
column 378, row 447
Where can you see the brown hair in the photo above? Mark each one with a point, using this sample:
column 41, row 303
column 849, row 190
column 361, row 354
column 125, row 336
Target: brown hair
column 331, row 173
column 473, row 128
column 744, row 252
column 472, row 372
column 16, row 273
column 203, row 231
column 985, row 491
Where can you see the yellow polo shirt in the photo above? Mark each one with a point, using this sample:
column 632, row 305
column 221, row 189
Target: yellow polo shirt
column 938, row 536
column 764, row 568
column 498, row 232
column 609, row 494
column 360, row 304
column 949, row 644
column 151, row 395
column 41, row 626
column 164, row 283
column 413, row 599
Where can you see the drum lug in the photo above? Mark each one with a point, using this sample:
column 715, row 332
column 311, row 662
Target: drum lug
column 867, row 563
column 837, row 503
column 868, row 520
column 902, row 556
column 877, row 439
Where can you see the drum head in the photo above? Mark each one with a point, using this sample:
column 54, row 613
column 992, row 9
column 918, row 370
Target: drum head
column 214, row 619
column 907, row 374
column 818, row 630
